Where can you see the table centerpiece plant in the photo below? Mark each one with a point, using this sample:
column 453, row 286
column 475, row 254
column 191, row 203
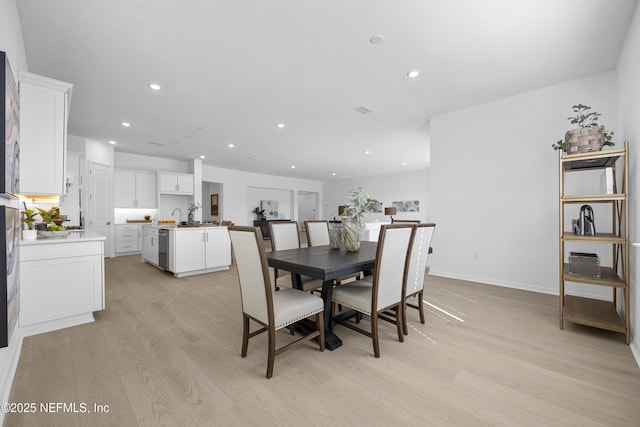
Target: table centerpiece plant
column 359, row 203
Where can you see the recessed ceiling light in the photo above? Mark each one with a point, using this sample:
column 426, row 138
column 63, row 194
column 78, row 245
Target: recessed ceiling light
column 202, row 157
column 333, row 173
column 280, row 125
column 367, row 152
column 112, row 142
column 293, row 166
column 230, row 145
column 154, row 86
column 376, row 39
column 404, row 163
column 413, row 74
column 126, row 124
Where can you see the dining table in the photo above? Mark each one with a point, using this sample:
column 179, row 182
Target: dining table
column 327, row 264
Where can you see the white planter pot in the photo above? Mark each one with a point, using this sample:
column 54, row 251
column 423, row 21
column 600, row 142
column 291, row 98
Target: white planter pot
column 29, row 234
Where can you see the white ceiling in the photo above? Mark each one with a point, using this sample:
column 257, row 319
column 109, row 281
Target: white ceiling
column 231, row 70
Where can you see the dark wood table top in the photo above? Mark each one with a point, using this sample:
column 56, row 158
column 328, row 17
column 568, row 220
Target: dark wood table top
column 322, row 262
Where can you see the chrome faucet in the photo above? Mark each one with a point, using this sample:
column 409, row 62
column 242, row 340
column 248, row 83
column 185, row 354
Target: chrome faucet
column 179, row 210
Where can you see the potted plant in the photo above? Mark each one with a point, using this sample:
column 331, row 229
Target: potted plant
column 589, row 136
column 29, row 219
column 359, row 203
column 259, row 213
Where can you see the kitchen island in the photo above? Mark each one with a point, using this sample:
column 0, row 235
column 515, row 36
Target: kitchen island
column 187, row 250
column 61, row 281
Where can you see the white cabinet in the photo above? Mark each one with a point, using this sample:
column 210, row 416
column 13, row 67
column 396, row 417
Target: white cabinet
column 127, row 238
column 150, row 245
column 44, row 110
column 199, row 250
column 61, row 284
column 134, row 189
column 171, row 183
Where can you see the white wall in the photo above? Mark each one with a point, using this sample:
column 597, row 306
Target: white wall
column 386, row 189
column 628, row 71
column 237, row 185
column 494, row 192
column 10, row 42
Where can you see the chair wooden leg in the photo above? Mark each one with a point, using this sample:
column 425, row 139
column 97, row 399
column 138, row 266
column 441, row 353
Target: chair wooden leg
column 245, row 335
column 400, row 326
column 358, row 317
column 421, row 306
column 405, row 326
column 374, row 334
column 272, row 351
column 320, row 326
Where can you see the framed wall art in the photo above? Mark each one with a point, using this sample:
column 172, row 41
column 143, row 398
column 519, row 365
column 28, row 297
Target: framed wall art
column 407, row 205
column 214, row 205
column 10, row 128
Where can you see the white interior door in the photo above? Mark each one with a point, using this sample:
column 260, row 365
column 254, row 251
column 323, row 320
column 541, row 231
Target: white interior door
column 307, row 207
column 100, row 213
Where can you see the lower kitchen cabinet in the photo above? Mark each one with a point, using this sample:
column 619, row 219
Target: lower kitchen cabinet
column 150, row 250
column 199, row 250
column 127, row 239
column 61, row 283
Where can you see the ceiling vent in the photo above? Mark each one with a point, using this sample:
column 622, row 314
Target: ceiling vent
column 364, row 110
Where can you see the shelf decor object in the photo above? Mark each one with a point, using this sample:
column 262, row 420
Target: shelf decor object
column 612, row 315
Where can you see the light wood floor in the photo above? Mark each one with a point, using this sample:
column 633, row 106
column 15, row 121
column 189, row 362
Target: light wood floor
column 166, row 352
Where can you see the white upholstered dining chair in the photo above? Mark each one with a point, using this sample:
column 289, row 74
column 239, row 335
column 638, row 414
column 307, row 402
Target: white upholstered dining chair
column 284, row 235
column 418, row 257
column 317, row 232
column 272, row 310
column 384, row 290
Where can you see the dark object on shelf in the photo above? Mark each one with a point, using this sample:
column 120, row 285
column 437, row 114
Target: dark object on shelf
column 603, row 162
column 584, row 264
column 584, row 226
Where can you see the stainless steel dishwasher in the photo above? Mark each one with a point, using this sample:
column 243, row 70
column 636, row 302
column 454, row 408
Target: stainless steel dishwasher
column 163, row 249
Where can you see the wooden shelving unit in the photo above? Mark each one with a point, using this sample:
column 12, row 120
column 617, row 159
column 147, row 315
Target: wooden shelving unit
column 611, row 315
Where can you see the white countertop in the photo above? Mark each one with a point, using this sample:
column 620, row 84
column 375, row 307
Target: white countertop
column 74, row 236
column 173, row 227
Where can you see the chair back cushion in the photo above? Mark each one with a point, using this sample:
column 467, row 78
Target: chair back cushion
column 317, row 233
column 391, row 257
column 284, row 235
column 255, row 286
column 418, row 257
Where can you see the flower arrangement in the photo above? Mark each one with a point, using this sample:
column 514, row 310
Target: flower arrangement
column 194, row 207
column 359, row 203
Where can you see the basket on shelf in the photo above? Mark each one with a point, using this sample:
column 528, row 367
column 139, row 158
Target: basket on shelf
column 584, row 140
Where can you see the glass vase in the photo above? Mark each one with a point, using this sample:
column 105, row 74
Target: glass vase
column 335, row 237
column 351, row 234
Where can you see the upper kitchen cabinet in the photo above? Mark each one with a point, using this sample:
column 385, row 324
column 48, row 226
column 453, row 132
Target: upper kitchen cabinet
column 174, row 183
column 44, row 111
column 134, row 189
